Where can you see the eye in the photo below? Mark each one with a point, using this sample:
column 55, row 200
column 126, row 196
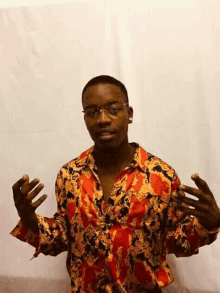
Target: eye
column 114, row 109
column 91, row 112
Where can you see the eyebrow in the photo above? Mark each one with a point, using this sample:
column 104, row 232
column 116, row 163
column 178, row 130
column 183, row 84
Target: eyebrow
column 95, row 106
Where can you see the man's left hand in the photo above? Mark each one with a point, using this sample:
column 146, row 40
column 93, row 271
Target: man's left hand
column 205, row 208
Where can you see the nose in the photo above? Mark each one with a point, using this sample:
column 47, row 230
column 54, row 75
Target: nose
column 103, row 117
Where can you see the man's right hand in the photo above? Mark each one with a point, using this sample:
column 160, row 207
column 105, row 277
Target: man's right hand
column 23, row 196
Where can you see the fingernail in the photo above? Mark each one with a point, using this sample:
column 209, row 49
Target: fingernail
column 174, row 193
column 194, row 176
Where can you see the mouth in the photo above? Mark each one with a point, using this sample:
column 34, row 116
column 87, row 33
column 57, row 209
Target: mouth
column 106, row 135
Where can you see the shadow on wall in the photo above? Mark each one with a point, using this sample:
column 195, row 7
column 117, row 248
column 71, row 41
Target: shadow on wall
column 171, row 289
column 33, row 285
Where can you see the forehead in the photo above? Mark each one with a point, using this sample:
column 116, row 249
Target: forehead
column 101, row 94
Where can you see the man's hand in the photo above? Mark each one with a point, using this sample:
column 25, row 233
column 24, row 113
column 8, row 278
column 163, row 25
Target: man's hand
column 205, row 208
column 23, row 198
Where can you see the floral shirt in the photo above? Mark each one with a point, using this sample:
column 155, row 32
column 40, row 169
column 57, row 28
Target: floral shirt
column 120, row 247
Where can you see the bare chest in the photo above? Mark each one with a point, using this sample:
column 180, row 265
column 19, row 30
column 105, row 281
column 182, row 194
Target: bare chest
column 107, row 179
column 107, row 183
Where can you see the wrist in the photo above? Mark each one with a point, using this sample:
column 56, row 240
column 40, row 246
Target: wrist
column 30, row 221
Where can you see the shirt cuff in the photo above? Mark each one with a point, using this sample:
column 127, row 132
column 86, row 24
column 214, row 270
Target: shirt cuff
column 25, row 234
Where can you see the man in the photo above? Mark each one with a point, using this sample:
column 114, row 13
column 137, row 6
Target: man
column 120, row 208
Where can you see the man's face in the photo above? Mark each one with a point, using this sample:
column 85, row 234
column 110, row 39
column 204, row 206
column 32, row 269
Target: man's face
column 107, row 130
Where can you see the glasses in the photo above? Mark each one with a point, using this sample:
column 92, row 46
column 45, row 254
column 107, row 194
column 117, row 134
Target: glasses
column 111, row 110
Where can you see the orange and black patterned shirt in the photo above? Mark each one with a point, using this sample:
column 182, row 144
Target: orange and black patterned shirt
column 120, row 247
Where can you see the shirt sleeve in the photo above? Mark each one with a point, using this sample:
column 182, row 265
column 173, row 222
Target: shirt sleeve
column 52, row 238
column 184, row 234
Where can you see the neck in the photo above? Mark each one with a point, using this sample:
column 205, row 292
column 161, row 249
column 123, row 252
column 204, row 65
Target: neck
column 113, row 157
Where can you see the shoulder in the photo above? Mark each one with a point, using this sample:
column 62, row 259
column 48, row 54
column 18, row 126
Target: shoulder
column 156, row 165
column 76, row 165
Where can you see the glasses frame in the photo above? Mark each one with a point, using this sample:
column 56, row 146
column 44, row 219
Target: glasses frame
column 102, row 109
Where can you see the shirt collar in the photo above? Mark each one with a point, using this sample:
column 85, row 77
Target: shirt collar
column 139, row 159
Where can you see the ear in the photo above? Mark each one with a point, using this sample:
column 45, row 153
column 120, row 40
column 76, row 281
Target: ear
column 130, row 115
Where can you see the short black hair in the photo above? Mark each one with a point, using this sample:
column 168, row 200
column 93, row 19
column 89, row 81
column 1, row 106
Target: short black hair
column 106, row 79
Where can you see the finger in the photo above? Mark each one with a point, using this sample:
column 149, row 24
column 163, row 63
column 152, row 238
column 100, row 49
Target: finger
column 26, row 177
column 26, row 188
column 20, row 182
column 189, row 201
column 36, row 204
column 35, row 192
column 193, row 191
column 191, row 212
column 175, row 195
column 16, row 187
column 178, row 202
column 181, row 193
column 24, row 191
column 201, row 184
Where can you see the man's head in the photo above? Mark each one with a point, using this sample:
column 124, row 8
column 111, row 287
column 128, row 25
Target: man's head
column 106, row 79
column 109, row 127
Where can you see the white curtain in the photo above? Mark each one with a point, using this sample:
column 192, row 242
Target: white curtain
column 167, row 53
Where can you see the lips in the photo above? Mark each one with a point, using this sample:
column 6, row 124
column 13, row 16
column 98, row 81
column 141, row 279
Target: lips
column 106, row 134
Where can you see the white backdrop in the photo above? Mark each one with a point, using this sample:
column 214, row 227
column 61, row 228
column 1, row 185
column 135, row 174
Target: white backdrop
column 167, row 53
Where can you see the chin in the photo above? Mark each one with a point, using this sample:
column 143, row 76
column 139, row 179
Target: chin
column 111, row 142
column 108, row 144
